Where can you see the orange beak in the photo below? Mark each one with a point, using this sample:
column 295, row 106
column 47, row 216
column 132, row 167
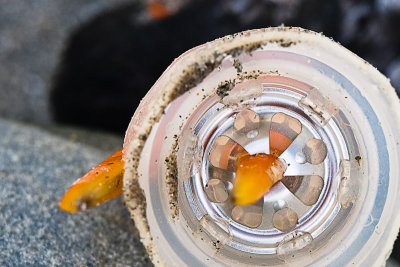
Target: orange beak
column 255, row 176
column 101, row 184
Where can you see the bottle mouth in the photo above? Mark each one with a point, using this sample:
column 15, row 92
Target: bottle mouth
column 282, row 92
column 305, row 201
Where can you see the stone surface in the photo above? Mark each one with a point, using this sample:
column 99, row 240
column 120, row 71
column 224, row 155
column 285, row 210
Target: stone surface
column 36, row 167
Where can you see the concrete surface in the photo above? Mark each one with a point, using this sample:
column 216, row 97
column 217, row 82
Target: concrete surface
column 36, row 167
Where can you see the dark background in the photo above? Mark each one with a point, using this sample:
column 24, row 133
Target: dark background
column 110, row 62
column 87, row 64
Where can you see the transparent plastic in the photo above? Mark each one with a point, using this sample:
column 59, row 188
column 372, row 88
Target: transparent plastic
column 338, row 202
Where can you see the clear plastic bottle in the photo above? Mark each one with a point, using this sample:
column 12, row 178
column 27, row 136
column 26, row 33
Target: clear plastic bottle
column 338, row 201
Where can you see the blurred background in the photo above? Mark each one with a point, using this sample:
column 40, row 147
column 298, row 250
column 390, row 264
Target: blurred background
column 73, row 72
